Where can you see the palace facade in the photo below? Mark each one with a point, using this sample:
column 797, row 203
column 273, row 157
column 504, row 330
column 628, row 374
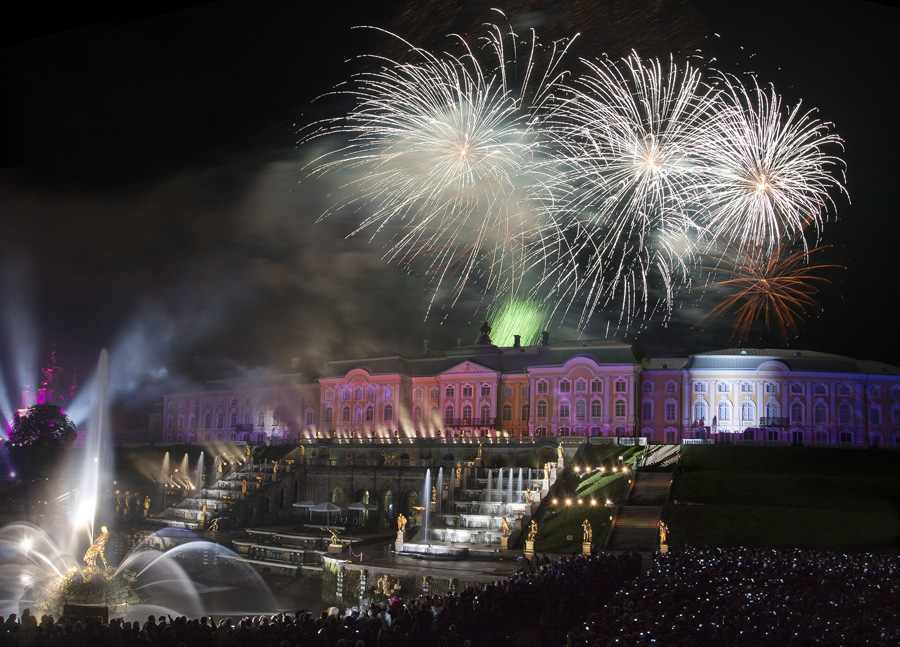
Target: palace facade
column 581, row 388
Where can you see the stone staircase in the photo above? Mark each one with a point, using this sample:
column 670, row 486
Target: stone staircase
column 637, row 523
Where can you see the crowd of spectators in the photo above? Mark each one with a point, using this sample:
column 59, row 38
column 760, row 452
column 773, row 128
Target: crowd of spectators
column 709, row 597
column 690, row 597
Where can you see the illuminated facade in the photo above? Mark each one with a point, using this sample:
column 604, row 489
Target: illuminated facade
column 583, row 388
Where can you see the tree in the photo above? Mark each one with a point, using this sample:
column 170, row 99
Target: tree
column 42, row 426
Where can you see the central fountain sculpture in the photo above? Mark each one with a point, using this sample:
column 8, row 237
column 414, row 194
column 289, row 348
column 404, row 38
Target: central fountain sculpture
column 170, row 572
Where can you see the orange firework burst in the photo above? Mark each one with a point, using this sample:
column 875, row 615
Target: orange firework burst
column 772, row 290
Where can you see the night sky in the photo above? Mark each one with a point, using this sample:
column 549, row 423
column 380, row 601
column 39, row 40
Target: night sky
column 150, row 195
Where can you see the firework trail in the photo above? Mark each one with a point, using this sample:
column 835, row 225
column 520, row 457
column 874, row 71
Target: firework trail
column 626, row 131
column 771, row 290
column 768, row 172
column 448, row 149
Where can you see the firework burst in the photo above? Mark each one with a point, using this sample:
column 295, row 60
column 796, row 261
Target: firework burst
column 448, row 149
column 627, row 131
column 768, row 290
column 769, row 174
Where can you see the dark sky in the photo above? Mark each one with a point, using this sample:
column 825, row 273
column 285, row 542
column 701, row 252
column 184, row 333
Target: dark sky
column 149, row 177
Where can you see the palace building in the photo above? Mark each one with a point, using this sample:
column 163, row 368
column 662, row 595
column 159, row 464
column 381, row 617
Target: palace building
column 573, row 388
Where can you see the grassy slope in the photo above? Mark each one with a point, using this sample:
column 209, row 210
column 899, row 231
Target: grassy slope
column 787, row 497
column 558, row 522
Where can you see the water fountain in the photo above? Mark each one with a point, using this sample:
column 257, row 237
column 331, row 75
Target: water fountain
column 471, row 519
column 170, row 572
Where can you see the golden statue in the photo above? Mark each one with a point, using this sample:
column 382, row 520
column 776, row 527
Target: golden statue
column 588, row 532
column 504, row 524
column 663, row 532
column 532, row 530
column 433, row 495
column 528, row 495
column 458, row 470
column 401, row 522
column 244, row 486
column 335, row 540
column 146, row 505
column 559, row 451
column 478, row 457
column 96, row 550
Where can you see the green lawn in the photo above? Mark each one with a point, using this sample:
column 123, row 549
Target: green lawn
column 786, row 497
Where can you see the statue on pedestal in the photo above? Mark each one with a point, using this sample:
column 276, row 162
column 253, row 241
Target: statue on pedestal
column 663, row 532
column 588, row 532
column 401, row 522
column 504, row 525
column 532, row 530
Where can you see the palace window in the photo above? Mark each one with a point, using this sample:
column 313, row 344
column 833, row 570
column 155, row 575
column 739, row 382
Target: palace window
column 580, row 410
column 699, row 387
column 467, row 391
column 370, row 413
column 565, row 386
column 542, row 409
column 796, row 413
column 701, row 410
column 435, row 394
column 621, row 386
column 507, row 412
column 596, row 409
column 485, row 391
column 581, row 386
column 620, row 408
column 596, row 386
column 345, row 415
column 542, row 386
column 388, row 413
column 485, row 414
column 648, row 386
column 647, row 410
column 820, row 414
column 563, row 409
column 417, row 414
column 845, row 414
column 449, row 392
column 671, row 411
column 748, row 411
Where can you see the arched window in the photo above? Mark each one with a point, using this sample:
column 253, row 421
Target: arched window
column 329, row 415
column 388, row 413
column 233, row 419
column 248, row 419
column 507, row 412
column 485, row 414
column 525, row 411
column 261, row 419
column 796, row 413
column 220, row 420
column 449, row 392
column 417, row 414
column 467, row 414
column 875, row 415
column 748, row 411
column 647, row 410
column 580, row 410
column 621, row 386
column 542, row 409
column 434, row 394
column 701, row 410
column 370, row 393
column 563, row 409
column 358, row 393
column 565, row 386
column 724, row 411
column 357, row 414
column 345, row 414
column 773, row 409
column 180, row 421
column 169, row 420
column 417, row 394
column 192, row 421
column 621, row 408
column 370, row 413
column 596, row 409
column 845, row 414
column 309, row 417
column 448, row 414
column 820, row 414
column 207, row 421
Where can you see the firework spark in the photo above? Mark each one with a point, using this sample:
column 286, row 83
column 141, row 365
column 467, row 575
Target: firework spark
column 447, row 148
column 774, row 291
